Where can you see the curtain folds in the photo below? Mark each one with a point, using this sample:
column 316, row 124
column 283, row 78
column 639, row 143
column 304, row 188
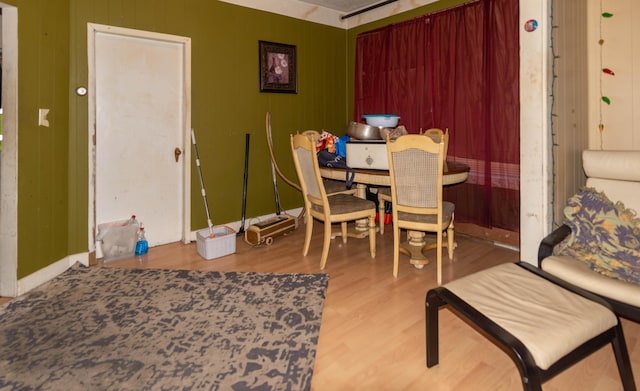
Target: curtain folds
column 455, row 69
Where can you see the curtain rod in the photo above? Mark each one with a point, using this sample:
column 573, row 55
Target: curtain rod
column 369, row 8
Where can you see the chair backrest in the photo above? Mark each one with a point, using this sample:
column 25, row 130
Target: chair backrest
column 305, row 160
column 415, row 170
column 438, row 135
column 616, row 173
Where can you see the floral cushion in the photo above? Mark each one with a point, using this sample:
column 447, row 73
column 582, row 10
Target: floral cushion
column 604, row 235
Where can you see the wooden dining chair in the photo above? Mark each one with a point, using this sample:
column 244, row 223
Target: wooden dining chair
column 384, row 193
column 415, row 171
column 336, row 208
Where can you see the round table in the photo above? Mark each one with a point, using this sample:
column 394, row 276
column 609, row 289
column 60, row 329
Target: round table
column 454, row 172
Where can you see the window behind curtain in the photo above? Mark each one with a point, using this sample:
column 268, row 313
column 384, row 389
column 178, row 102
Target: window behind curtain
column 456, row 69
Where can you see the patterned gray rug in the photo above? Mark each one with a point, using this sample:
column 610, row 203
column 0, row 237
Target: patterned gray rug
column 142, row 329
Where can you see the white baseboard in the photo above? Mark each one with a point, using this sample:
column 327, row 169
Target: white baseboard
column 507, row 246
column 47, row 273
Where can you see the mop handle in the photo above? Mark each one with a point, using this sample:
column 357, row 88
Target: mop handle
column 204, row 193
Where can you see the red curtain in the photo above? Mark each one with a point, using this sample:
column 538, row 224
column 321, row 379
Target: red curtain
column 456, row 69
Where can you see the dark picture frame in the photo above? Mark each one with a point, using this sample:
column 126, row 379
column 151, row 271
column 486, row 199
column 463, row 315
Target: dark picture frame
column 278, row 67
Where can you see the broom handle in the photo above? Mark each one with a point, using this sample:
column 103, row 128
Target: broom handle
column 246, row 178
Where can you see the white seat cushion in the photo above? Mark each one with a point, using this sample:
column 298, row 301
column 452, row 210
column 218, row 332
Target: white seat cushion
column 578, row 273
column 548, row 319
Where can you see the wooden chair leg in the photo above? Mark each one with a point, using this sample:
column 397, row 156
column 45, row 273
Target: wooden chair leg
column 343, row 231
column 450, row 241
column 396, row 249
column 326, row 241
column 439, row 257
column 308, row 233
column 381, row 214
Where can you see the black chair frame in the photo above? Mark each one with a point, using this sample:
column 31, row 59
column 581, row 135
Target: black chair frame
column 531, row 375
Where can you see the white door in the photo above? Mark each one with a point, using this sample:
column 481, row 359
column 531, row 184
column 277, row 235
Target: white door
column 139, row 91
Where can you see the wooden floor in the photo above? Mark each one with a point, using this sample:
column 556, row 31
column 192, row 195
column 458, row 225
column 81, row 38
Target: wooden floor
column 372, row 335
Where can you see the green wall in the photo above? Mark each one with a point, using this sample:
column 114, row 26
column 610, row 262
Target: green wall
column 226, row 104
column 43, row 175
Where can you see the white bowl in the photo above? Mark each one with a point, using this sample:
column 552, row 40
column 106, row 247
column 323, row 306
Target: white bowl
column 382, row 120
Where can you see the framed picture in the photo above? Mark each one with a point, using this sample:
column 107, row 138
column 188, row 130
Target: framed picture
column 278, row 70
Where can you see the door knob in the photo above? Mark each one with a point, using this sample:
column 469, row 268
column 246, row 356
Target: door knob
column 177, row 152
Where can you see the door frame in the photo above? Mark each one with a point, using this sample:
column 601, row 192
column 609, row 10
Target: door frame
column 9, row 160
column 92, row 30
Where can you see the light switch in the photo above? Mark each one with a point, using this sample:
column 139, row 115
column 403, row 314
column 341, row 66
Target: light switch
column 42, row 117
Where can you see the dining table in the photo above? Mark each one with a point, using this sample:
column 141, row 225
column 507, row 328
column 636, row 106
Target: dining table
column 416, row 243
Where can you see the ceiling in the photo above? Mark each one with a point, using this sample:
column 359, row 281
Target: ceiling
column 344, row 5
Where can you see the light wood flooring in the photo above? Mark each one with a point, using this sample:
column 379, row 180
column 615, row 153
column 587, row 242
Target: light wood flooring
column 372, row 335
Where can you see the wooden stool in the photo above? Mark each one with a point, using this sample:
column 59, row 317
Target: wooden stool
column 544, row 326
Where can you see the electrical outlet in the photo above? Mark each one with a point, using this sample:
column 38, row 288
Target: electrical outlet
column 42, row 117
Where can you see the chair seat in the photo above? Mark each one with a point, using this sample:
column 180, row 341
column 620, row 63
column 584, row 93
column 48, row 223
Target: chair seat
column 548, row 319
column 447, row 212
column 346, row 203
column 578, row 273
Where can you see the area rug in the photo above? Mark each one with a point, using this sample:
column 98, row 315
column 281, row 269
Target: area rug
column 142, row 329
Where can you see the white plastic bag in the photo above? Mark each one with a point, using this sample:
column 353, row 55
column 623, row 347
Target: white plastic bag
column 118, row 239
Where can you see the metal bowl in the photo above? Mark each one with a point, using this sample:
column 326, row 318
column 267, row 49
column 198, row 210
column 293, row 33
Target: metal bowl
column 363, row 131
